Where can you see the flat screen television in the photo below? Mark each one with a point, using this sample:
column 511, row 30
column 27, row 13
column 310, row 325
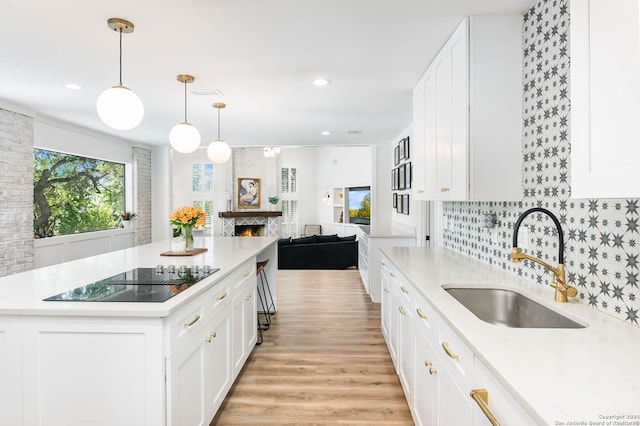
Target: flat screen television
column 359, row 203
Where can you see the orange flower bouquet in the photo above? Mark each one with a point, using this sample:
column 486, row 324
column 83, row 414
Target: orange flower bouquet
column 185, row 220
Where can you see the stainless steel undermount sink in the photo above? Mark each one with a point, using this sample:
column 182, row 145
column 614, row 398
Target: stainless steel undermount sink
column 509, row 308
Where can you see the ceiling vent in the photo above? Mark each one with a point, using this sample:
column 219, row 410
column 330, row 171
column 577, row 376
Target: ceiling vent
column 354, row 132
column 207, row 92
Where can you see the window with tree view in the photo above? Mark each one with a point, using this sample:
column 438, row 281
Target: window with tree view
column 73, row 194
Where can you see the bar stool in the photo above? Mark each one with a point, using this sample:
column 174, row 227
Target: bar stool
column 265, row 296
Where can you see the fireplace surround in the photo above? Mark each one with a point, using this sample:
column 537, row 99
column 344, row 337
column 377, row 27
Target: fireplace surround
column 268, row 220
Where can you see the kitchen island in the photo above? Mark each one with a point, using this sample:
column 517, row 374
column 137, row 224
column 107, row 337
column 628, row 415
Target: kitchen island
column 129, row 363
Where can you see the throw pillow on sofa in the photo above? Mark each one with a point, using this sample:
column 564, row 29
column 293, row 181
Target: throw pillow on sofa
column 284, row 241
column 304, row 240
column 348, row 238
column 327, row 238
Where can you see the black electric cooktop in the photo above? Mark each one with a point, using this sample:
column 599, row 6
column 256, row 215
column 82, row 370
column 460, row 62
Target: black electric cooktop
column 137, row 285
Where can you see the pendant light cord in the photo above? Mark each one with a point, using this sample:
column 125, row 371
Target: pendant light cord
column 185, row 101
column 120, row 56
column 218, row 123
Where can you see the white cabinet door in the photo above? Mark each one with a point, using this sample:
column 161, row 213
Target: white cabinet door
column 10, row 371
column 470, row 116
column 405, row 348
column 385, row 302
column 244, row 324
column 605, row 98
column 454, row 405
column 418, row 140
column 218, row 367
column 112, row 368
column 426, row 382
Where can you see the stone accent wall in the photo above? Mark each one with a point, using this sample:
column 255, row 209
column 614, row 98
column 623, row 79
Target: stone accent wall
column 16, row 192
column 142, row 190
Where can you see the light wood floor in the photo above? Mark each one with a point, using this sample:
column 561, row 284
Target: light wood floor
column 323, row 361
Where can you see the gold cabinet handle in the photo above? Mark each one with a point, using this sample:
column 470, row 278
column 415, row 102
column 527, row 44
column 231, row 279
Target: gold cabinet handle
column 404, row 290
column 193, row 321
column 383, row 264
column 222, row 296
column 445, row 346
column 428, row 363
column 211, row 336
column 421, row 314
column 420, row 191
column 432, row 371
column 247, row 297
column 386, row 290
column 444, row 189
column 246, row 274
column 481, row 397
column 402, row 311
column 392, row 274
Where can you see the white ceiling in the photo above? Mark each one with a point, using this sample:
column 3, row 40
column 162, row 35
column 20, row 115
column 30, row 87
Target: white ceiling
column 262, row 54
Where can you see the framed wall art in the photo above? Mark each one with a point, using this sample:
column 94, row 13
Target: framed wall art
column 405, row 204
column 248, row 193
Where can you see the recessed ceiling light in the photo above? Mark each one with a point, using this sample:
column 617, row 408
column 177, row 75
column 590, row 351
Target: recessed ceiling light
column 326, row 133
column 73, row 86
column 321, row 82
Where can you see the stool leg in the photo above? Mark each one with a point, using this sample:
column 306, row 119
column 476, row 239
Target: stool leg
column 268, row 298
column 259, row 339
column 267, row 322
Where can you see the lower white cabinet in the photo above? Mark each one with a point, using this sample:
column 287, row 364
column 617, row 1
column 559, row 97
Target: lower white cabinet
column 199, row 373
column 10, row 371
column 438, row 372
column 244, row 323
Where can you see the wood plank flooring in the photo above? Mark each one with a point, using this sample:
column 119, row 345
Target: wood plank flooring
column 323, row 361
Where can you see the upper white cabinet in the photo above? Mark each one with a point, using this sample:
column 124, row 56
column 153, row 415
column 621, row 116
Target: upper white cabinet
column 605, row 98
column 467, row 114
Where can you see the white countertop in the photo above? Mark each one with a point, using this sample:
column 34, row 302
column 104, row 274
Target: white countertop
column 557, row 375
column 22, row 294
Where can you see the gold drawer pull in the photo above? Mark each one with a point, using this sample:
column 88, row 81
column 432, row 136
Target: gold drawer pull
column 402, row 311
column 247, row 297
column 386, row 290
column 404, row 290
column 392, row 274
column 383, row 264
column 428, row 363
column 420, row 191
column 445, row 346
column 246, row 274
column 193, row 321
column 222, row 296
column 444, row 189
column 211, row 336
column 481, row 397
column 421, row 314
column 432, row 371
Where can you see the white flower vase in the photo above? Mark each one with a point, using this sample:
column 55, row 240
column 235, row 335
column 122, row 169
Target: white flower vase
column 126, row 223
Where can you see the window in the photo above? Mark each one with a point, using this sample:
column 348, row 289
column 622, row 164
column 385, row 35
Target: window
column 75, row 194
column 289, row 188
column 202, row 192
column 289, row 180
column 289, row 218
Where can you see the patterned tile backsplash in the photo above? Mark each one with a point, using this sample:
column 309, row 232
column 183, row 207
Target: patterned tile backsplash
column 601, row 235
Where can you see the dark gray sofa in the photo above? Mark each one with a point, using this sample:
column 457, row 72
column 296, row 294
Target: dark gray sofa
column 318, row 252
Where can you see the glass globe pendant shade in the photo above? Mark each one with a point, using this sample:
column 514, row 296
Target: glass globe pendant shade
column 218, row 151
column 120, row 108
column 184, row 138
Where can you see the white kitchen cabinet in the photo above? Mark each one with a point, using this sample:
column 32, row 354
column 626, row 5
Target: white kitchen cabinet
column 418, row 138
column 437, row 369
column 467, row 114
column 605, row 98
column 244, row 311
column 10, row 371
column 500, row 402
column 98, row 359
column 199, row 373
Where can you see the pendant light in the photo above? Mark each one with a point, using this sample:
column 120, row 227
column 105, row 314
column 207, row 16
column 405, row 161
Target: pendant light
column 218, row 151
column 118, row 107
column 184, row 137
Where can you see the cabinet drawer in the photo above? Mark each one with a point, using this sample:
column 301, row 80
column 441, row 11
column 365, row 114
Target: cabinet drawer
column 426, row 318
column 219, row 295
column 244, row 271
column 186, row 323
column 456, row 356
column 500, row 402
